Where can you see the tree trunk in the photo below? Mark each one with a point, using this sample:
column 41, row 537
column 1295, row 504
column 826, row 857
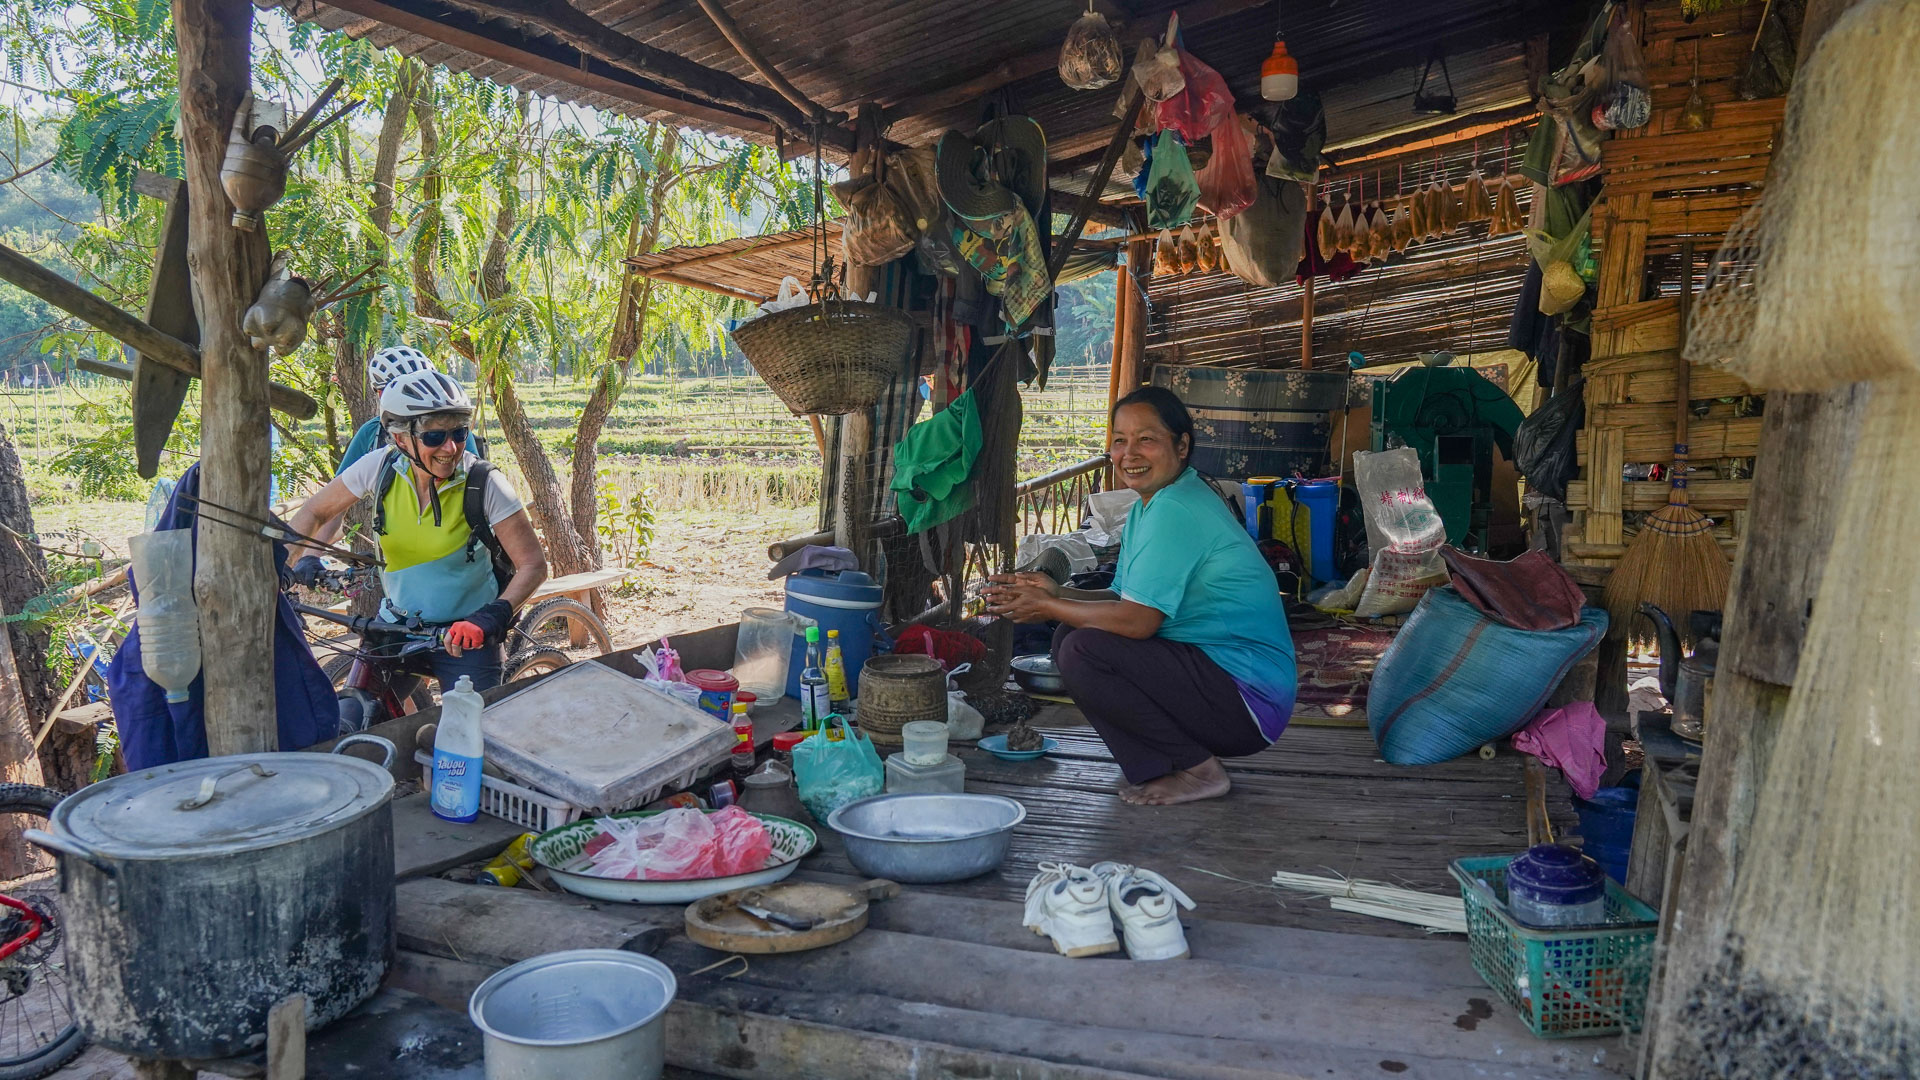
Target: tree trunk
column 18, row 765
column 234, row 579
column 630, row 318
column 566, row 553
column 23, row 577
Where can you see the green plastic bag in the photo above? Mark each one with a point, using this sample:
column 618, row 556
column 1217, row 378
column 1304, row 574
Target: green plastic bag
column 832, row 773
column 1172, row 191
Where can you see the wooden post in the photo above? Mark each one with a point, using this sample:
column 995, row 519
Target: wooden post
column 234, row 580
column 1306, row 304
column 1133, row 363
column 1806, row 444
column 854, row 511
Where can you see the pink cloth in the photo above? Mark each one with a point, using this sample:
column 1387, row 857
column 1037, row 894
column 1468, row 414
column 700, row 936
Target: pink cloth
column 1573, row 739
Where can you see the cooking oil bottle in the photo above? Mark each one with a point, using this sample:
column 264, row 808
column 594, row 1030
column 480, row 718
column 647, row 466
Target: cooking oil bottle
column 836, row 674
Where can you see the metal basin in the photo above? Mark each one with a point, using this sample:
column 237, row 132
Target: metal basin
column 1036, row 673
column 927, row 838
column 582, row 1014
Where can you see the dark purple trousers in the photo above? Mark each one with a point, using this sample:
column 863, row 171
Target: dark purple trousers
column 1160, row 705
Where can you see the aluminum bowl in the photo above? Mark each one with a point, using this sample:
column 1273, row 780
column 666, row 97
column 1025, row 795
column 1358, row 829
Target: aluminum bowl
column 926, row 838
column 1038, row 674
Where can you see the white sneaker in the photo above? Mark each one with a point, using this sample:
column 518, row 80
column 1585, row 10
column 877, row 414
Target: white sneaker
column 1147, row 906
column 1069, row 904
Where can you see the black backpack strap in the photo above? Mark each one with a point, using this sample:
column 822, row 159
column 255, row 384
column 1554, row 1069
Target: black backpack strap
column 473, row 504
column 388, row 470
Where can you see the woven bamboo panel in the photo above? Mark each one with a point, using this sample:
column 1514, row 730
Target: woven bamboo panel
column 1665, row 187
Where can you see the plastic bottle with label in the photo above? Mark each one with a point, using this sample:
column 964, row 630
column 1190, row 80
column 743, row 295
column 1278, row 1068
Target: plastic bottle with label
column 459, row 752
column 836, row 674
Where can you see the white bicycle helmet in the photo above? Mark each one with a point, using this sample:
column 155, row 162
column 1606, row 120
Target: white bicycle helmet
column 394, row 361
column 423, row 393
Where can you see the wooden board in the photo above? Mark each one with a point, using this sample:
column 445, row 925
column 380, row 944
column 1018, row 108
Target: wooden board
column 838, row 912
column 424, row 845
column 158, row 390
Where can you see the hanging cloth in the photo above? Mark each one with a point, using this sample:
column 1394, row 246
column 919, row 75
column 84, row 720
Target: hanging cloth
column 933, row 464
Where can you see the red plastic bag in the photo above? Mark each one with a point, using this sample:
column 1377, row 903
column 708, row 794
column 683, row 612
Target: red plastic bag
column 1202, row 105
column 679, row 845
column 1226, row 183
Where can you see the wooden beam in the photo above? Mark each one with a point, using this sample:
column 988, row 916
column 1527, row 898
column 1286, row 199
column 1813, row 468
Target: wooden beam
column 552, row 60
column 1066, row 202
column 594, row 38
column 725, row 256
column 754, row 57
column 234, row 583
column 1015, row 68
column 704, row 286
column 283, row 398
column 17, row 269
column 1454, row 129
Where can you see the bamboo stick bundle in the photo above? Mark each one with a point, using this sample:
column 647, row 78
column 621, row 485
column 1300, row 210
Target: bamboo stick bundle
column 1447, row 914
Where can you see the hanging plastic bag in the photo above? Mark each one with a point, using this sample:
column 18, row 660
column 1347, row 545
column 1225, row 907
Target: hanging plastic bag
column 1299, row 130
column 1543, row 444
column 878, row 228
column 1091, row 57
column 1203, row 103
column 1262, row 245
column 1157, row 70
column 1172, row 192
column 1626, row 101
column 833, row 772
column 1226, row 184
column 1565, row 264
column 792, row 294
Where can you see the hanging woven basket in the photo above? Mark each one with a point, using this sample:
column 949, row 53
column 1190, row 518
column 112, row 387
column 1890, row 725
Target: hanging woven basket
column 827, row 358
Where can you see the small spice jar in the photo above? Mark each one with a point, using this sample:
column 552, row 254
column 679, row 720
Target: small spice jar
column 783, row 745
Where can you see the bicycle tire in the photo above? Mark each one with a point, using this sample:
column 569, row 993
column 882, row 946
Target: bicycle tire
column 527, row 662
column 67, row 1044
column 337, row 668
column 527, row 631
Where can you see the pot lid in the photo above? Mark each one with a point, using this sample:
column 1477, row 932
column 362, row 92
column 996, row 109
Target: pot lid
column 1556, row 874
column 222, row 805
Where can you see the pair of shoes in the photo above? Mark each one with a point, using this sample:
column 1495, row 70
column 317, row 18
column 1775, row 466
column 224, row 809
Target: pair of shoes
column 1078, row 906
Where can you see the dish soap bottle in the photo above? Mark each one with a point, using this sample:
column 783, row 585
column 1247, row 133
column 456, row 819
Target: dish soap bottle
column 458, row 754
column 815, row 699
column 836, row 674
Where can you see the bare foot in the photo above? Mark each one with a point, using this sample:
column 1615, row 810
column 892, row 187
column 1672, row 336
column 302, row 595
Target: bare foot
column 1127, row 790
column 1207, row 780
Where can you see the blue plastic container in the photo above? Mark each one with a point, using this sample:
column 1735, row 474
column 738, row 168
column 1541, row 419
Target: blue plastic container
column 1322, row 500
column 1606, row 827
column 1256, row 494
column 847, row 601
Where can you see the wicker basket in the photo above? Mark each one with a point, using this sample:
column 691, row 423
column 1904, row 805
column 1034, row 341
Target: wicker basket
column 897, row 689
column 827, row 358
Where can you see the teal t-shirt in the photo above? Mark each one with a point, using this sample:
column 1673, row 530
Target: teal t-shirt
column 1184, row 555
column 368, row 437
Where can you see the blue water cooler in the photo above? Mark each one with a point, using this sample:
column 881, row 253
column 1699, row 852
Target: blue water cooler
column 845, row 600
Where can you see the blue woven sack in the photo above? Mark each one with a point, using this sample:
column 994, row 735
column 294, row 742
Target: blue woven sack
column 1454, row 678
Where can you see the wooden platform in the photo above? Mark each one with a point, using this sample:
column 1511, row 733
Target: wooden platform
column 1319, row 801
column 946, row 982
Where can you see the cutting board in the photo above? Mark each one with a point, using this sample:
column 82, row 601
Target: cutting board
column 839, row 912
column 599, row 738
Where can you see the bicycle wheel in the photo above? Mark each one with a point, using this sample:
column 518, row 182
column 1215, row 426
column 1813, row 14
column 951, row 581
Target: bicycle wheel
column 557, row 623
column 526, row 663
column 39, row 1029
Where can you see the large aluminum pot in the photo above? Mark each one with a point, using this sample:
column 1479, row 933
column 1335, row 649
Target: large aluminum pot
column 197, row 895
column 584, row 1014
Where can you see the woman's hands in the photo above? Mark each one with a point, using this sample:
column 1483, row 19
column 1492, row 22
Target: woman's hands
column 1024, row 598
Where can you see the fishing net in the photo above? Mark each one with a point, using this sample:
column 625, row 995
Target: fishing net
column 1823, row 977
column 1819, row 283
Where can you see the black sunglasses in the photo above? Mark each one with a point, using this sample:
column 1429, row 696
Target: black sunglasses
column 433, row 440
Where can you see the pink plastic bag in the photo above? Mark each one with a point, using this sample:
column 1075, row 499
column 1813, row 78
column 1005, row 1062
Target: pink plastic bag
column 679, row 845
column 1204, row 104
column 1226, row 183
column 1573, row 739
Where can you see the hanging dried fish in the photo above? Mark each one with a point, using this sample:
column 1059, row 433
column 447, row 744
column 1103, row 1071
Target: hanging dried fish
column 1402, row 224
column 1506, row 208
column 1478, row 205
column 1206, row 252
column 1323, row 232
column 1166, row 260
column 1343, row 228
column 1188, row 258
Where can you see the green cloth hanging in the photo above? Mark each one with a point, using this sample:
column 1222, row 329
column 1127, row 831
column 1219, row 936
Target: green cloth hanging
column 933, row 465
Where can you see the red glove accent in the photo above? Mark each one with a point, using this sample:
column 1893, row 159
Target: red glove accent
column 465, row 635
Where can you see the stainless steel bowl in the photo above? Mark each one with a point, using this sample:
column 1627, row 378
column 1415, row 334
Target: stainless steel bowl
column 927, row 838
column 1037, row 673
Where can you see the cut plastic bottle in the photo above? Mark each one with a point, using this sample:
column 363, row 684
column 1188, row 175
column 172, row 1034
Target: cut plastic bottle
column 168, row 619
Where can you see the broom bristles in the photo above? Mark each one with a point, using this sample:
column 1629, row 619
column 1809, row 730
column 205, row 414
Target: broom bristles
column 1673, row 563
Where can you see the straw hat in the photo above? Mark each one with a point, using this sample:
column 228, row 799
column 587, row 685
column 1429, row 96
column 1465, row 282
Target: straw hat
column 1018, row 150
column 967, row 184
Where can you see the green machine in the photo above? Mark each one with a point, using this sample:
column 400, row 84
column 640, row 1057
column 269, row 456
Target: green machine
column 1453, row 418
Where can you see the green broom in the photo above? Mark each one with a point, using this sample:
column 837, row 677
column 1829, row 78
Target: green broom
column 1673, row 562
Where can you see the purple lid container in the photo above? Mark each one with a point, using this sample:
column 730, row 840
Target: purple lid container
column 1556, row 874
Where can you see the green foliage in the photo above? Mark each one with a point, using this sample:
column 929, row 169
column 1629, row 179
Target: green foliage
column 625, row 521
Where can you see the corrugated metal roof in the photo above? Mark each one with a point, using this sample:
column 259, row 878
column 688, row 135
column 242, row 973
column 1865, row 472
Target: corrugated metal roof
column 1359, row 53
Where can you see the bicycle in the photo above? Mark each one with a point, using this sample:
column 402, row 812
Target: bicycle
column 39, row 1029
column 391, row 656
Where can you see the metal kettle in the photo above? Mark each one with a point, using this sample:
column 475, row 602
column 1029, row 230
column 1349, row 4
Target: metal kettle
column 1684, row 676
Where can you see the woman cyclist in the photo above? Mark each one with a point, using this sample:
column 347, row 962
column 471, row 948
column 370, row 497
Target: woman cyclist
column 437, row 567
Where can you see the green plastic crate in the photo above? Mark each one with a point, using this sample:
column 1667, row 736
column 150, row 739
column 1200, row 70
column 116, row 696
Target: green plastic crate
column 1573, row 981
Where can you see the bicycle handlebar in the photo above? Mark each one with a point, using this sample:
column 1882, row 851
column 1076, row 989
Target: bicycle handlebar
column 420, row 638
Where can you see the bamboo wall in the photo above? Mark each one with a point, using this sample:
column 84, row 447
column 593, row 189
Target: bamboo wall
column 1665, row 186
